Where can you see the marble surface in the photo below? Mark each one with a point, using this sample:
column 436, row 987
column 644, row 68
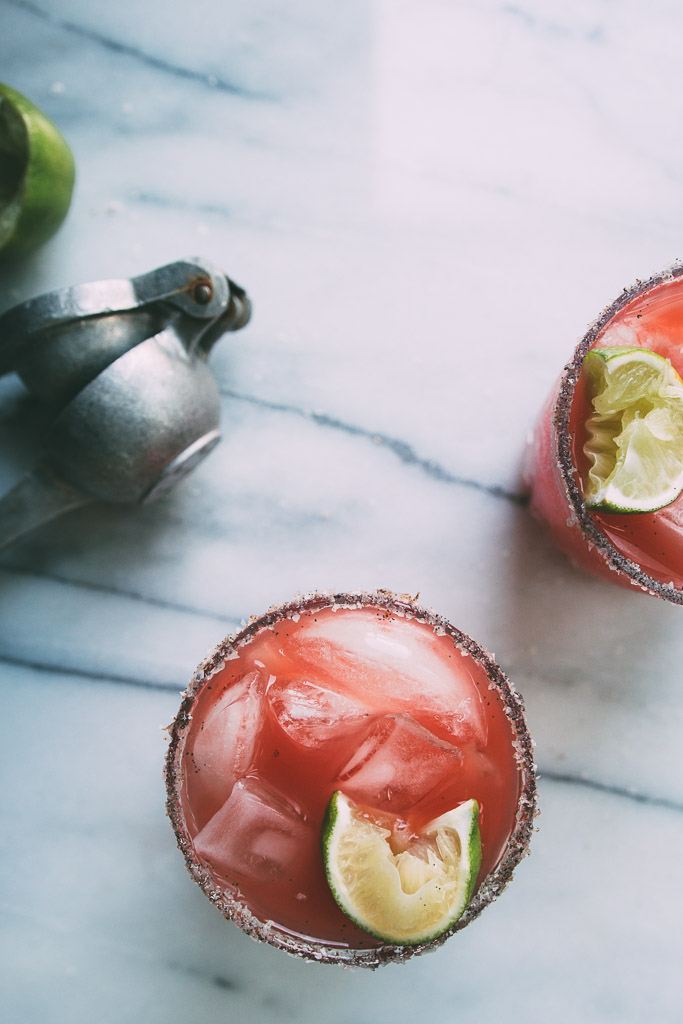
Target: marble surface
column 427, row 201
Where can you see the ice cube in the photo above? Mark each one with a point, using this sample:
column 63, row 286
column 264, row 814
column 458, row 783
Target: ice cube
column 397, row 763
column 311, row 713
column 257, row 833
column 395, row 664
column 223, row 746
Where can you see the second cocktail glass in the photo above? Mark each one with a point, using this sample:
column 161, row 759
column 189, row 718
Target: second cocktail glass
column 641, row 549
column 366, row 695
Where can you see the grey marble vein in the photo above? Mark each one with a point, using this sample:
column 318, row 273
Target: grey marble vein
column 542, row 24
column 130, row 949
column 401, row 449
column 81, row 673
column 221, row 981
column 650, row 799
column 135, row 53
column 132, row 595
column 165, row 202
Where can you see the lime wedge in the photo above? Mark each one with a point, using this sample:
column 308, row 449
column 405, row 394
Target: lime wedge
column 635, row 434
column 36, row 175
column 406, row 897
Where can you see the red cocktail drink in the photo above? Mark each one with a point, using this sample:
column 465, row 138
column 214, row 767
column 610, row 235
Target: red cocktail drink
column 366, row 694
column 642, row 549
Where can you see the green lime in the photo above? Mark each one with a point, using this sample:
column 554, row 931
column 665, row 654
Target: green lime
column 36, row 175
column 407, row 896
column 635, row 434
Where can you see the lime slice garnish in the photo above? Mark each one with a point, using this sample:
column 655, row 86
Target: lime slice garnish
column 635, row 435
column 405, row 897
column 36, row 174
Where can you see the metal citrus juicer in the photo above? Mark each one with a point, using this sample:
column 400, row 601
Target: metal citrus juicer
column 123, row 365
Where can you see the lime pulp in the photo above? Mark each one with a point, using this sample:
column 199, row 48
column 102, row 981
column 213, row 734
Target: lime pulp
column 403, row 896
column 635, row 433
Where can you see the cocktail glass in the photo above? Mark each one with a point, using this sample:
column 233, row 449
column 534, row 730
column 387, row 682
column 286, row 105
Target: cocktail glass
column 368, row 693
column 643, row 550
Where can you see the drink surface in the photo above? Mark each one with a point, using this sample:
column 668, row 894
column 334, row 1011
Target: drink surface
column 653, row 540
column 363, row 700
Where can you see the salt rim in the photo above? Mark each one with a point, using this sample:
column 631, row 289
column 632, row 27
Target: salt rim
column 563, row 403
column 230, row 904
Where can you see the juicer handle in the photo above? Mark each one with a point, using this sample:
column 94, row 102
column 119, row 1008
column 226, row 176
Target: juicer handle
column 195, row 287
column 34, row 500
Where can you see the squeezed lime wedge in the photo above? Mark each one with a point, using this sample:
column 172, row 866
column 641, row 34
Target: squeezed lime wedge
column 36, row 175
column 407, row 897
column 635, row 434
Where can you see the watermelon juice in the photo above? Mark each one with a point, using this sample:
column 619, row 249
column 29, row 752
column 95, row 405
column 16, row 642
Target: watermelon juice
column 367, row 694
column 643, row 549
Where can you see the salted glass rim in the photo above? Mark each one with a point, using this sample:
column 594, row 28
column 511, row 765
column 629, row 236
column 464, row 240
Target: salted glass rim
column 229, row 903
column 563, row 443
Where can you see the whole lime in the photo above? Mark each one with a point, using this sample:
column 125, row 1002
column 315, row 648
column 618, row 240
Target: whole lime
column 36, row 175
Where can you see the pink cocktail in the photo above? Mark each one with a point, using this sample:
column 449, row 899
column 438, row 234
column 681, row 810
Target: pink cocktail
column 367, row 694
column 643, row 549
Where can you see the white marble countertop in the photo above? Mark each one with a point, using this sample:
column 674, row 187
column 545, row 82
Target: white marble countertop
column 428, row 202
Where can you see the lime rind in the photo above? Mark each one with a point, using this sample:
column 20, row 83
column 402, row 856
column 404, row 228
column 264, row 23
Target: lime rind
column 37, row 175
column 406, row 898
column 635, row 434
